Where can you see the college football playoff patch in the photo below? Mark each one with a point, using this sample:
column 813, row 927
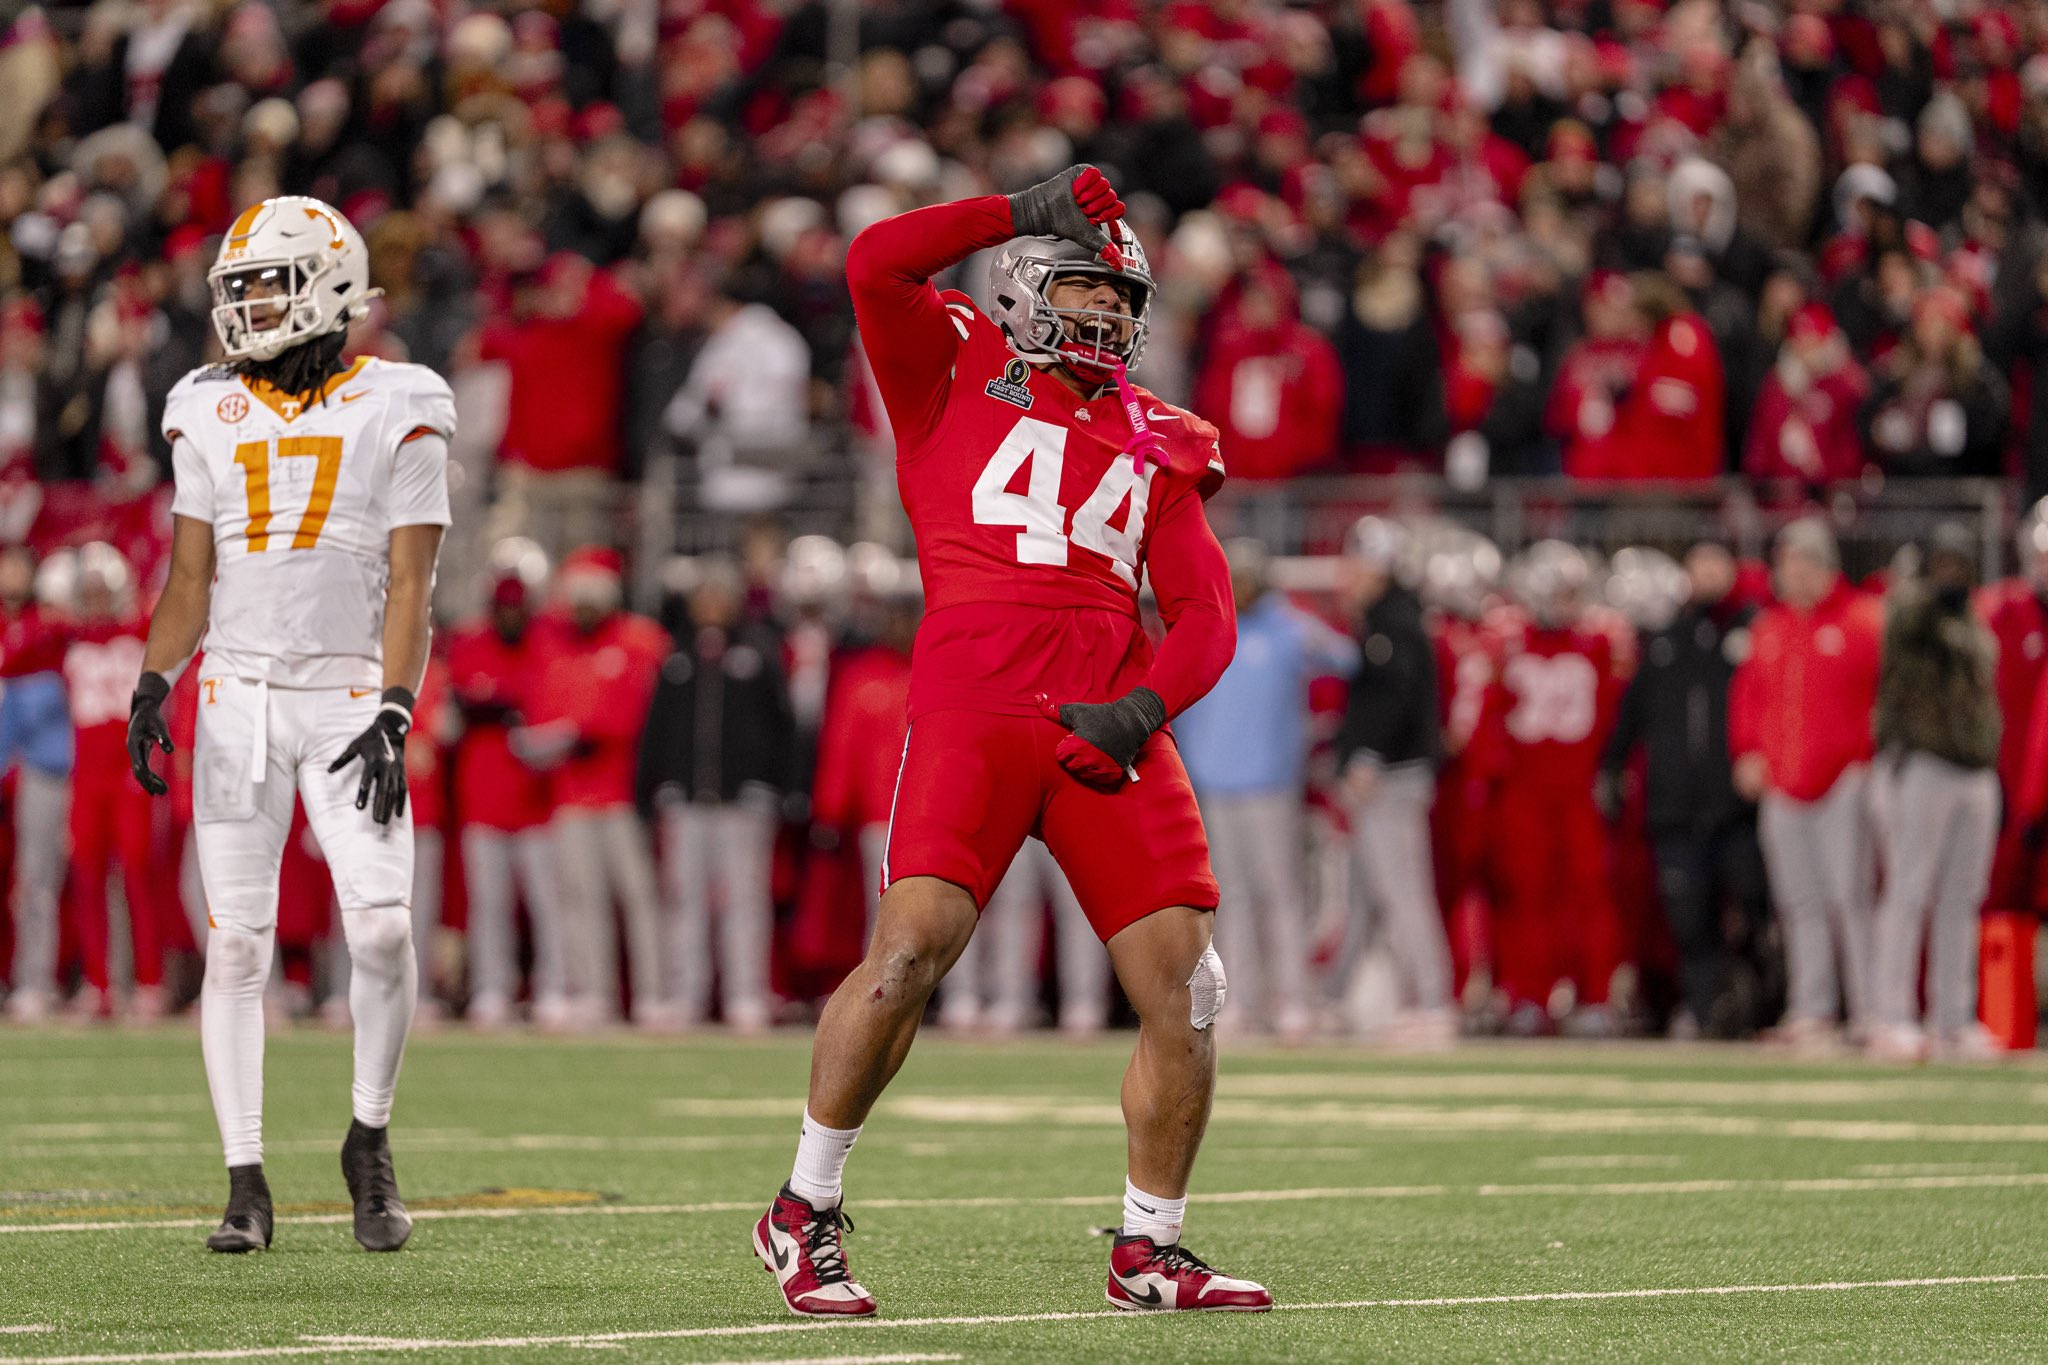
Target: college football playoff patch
column 1011, row 386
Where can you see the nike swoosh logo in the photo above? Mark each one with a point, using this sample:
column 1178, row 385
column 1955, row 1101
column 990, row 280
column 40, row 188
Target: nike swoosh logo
column 358, row 696
column 352, row 397
column 1151, row 1294
column 781, row 1258
column 1151, row 1211
column 1155, row 415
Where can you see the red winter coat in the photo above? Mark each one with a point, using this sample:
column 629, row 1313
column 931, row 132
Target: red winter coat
column 568, row 382
column 1275, row 395
column 1810, row 435
column 600, row 684
column 1585, row 402
column 1805, row 696
column 1671, row 424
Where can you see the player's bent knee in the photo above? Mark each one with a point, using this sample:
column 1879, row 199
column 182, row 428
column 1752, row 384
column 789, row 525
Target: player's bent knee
column 1206, row 989
column 237, row 960
column 379, row 934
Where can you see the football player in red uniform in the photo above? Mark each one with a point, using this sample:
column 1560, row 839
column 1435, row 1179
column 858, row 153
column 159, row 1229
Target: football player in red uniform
column 1042, row 487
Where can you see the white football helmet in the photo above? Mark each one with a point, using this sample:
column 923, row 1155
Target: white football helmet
column 1551, row 580
column 290, row 269
column 1459, row 572
column 103, row 568
column 814, row 573
column 57, row 580
column 2032, row 544
column 1647, row 586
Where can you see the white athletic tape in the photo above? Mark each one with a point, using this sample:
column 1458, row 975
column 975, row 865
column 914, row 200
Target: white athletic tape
column 1206, row 989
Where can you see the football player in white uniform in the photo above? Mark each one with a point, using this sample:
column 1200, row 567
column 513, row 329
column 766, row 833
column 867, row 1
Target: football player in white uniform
column 311, row 499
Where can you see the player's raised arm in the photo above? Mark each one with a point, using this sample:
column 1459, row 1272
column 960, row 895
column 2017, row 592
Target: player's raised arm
column 909, row 335
column 175, row 629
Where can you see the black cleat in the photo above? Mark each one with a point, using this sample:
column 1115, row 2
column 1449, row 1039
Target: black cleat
column 382, row 1224
column 247, row 1223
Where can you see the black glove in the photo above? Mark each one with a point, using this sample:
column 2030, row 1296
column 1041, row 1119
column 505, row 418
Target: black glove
column 1073, row 204
column 147, row 731
column 382, row 750
column 1107, row 735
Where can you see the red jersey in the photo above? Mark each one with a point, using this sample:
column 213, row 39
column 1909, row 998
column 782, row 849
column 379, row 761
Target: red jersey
column 1548, row 713
column 490, row 677
column 601, row 684
column 31, row 641
column 2018, row 620
column 1467, row 662
column 102, row 664
column 861, row 742
column 1034, row 528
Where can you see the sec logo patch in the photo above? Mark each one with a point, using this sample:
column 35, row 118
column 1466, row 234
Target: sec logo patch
column 232, row 408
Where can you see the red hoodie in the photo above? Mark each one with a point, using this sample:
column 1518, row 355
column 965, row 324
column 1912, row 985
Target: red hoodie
column 1670, row 425
column 1274, row 392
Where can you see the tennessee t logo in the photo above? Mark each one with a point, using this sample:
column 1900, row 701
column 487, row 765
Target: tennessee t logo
column 212, row 685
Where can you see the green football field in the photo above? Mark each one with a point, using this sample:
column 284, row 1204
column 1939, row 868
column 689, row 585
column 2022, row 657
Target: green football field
column 1499, row 1203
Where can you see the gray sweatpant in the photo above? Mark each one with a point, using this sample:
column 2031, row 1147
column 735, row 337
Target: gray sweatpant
column 718, row 853
column 500, row 866
column 1822, row 869
column 429, row 862
column 999, row 970
column 602, row 853
column 1257, row 851
column 42, row 851
column 1938, row 825
column 1390, row 835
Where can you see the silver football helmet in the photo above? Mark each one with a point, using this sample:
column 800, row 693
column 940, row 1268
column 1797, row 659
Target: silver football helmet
column 1647, row 586
column 1551, row 581
column 1024, row 270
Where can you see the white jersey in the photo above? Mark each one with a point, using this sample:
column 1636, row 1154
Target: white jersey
column 302, row 502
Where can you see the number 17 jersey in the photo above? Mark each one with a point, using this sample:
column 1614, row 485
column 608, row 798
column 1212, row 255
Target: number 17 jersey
column 1035, row 527
column 302, row 499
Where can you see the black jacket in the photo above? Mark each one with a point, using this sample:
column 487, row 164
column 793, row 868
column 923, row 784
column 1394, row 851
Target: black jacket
column 720, row 720
column 1392, row 715
column 1676, row 706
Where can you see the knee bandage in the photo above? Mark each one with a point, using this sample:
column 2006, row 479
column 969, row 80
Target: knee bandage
column 1206, row 989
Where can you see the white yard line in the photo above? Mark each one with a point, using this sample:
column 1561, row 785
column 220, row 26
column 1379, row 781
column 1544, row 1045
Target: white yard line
column 25, row 1329
column 1550, row 1189
column 359, row 1345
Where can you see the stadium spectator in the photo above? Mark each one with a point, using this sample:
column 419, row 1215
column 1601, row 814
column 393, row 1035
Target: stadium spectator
column 110, row 814
column 1393, row 373
column 1804, row 424
column 715, row 761
column 1271, row 383
column 1799, row 718
column 1389, row 748
column 1600, row 368
column 1246, row 749
column 860, row 743
column 563, row 341
column 744, row 409
column 1702, row 833
column 1935, row 797
column 581, row 728
column 1671, row 424
column 2017, row 342
column 1939, row 409
column 35, row 745
column 501, row 804
column 2015, row 611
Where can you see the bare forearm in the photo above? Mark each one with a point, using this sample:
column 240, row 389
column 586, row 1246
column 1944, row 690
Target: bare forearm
column 408, row 634
column 177, row 624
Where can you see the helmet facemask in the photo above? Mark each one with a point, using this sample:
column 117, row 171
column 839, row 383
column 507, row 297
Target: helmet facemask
column 1086, row 340
column 263, row 308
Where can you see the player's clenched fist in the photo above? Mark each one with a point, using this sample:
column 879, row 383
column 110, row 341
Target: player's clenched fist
column 1107, row 735
column 382, row 749
column 147, row 731
column 1073, row 204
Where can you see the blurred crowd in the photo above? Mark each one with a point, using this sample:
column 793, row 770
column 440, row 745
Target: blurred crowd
column 1446, row 795
column 1617, row 239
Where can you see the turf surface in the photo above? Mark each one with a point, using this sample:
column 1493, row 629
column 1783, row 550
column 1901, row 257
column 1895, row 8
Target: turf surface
column 1497, row 1171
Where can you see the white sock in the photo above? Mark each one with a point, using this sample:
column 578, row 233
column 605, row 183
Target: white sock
column 820, row 1160
column 383, row 990
column 231, row 1037
column 1147, row 1215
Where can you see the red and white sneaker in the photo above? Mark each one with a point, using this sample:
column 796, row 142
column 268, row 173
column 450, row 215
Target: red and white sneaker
column 800, row 1246
column 1145, row 1277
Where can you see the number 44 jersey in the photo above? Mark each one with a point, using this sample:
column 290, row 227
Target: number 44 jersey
column 1034, row 526
column 302, row 499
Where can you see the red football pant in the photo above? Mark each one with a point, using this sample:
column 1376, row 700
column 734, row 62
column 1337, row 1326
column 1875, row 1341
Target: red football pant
column 1460, row 830
column 1555, row 920
column 974, row 785
column 110, row 821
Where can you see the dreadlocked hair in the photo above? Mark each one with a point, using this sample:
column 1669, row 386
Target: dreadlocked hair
column 302, row 370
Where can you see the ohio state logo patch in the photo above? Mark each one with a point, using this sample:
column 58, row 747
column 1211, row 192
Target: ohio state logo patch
column 232, row 408
column 1011, row 387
